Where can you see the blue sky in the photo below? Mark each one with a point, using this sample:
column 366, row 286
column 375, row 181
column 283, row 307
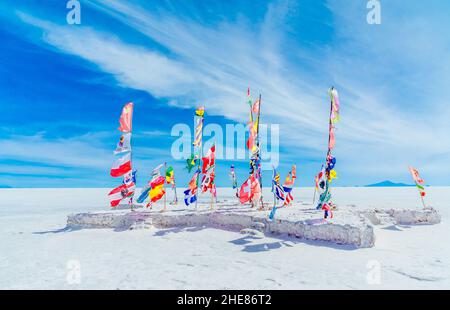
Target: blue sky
column 63, row 86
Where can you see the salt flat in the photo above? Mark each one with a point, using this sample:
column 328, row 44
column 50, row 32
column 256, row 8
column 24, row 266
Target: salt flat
column 37, row 252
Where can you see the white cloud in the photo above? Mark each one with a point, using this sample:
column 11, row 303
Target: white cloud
column 391, row 77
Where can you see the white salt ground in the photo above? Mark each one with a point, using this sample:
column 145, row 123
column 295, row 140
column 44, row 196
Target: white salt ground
column 37, row 252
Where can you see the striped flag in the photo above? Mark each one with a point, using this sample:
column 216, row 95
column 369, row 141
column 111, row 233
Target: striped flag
column 121, row 166
column 289, row 185
column 118, row 194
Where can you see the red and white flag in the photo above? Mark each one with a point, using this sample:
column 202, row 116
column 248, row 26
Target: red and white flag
column 249, row 189
column 126, row 117
column 121, row 166
column 118, row 194
column 210, row 159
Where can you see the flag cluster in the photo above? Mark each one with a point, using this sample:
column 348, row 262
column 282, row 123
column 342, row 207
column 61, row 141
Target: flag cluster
column 155, row 189
column 250, row 190
column 190, row 195
column 327, row 173
column 122, row 165
column 283, row 193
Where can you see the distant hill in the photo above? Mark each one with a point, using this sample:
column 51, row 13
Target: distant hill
column 388, row 184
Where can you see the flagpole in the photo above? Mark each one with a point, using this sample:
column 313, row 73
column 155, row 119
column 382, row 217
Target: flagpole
column 259, row 153
column 164, row 186
column 175, row 190
column 330, row 127
column 314, row 197
column 131, row 159
column 212, row 181
column 198, row 161
column 423, row 201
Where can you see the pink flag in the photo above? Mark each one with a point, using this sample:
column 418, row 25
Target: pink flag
column 332, row 141
column 126, row 117
column 255, row 108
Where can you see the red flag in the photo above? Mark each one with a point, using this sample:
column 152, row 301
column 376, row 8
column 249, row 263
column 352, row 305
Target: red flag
column 121, row 166
column 209, row 159
column 249, row 189
column 126, row 117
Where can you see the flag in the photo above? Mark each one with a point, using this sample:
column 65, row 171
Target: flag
column 121, row 166
column 255, row 107
column 245, row 191
column 126, row 117
column 253, row 132
column 157, row 189
column 119, row 193
column 209, row 159
column 190, row 196
column 289, row 185
column 200, row 111
column 191, row 163
column 124, row 144
column 416, row 176
column 129, row 179
column 198, row 132
column 249, row 189
column 332, row 141
column 327, row 211
column 208, row 181
column 334, row 96
column 193, row 182
column 418, row 180
column 170, row 175
column 276, row 188
column 233, row 177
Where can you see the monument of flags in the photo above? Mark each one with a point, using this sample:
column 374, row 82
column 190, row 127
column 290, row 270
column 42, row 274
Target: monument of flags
column 203, row 179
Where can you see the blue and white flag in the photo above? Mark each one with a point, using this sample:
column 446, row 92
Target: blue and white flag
column 189, row 197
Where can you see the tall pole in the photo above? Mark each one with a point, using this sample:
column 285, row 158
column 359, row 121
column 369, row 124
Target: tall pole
column 259, row 152
column 131, row 159
column 201, row 118
column 330, row 128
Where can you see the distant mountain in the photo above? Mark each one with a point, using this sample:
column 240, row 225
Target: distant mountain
column 388, row 184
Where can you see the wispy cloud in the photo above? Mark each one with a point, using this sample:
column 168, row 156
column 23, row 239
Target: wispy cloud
column 391, row 77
